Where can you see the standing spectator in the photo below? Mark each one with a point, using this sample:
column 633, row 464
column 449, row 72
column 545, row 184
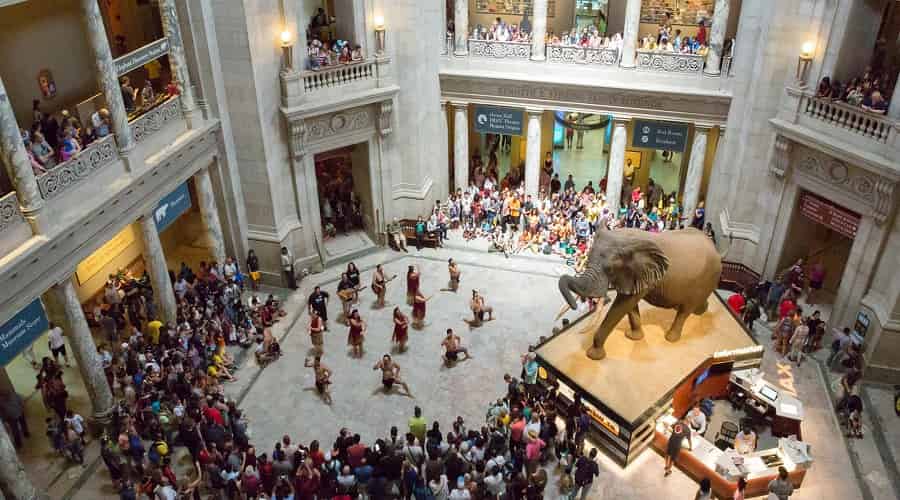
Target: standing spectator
column 586, row 469
column 12, row 411
column 57, row 343
column 287, row 269
column 781, row 486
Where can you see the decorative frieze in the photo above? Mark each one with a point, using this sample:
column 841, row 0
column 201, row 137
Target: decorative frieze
column 384, row 118
column 580, row 55
column 781, row 155
column 669, row 62
column 60, row 178
column 9, row 211
column 500, row 50
column 156, row 119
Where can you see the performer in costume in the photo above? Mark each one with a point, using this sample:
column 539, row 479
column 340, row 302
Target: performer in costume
column 412, row 284
column 401, row 329
column 357, row 333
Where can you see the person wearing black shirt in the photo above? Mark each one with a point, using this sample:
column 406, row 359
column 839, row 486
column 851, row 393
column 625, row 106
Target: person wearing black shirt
column 585, row 471
column 555, row 185
column 318, row 301
column 570, row 183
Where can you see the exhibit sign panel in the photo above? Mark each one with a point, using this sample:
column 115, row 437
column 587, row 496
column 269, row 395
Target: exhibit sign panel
column 828, row 214
column 94, row 262
column 21, row 330
column 141, row 56
column 494, row 120
column 667, row 136
column 171, row 206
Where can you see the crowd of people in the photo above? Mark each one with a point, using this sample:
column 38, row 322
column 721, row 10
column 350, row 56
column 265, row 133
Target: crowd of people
column 322, row 51
column 501, row 31
column 872, row 91
column 671, row 39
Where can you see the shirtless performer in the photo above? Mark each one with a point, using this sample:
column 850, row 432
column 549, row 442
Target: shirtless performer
column 379, row 285
column 401, row 329
column 316, row 327
column 390, row 374
column 323, row 377
column 412, row 284
column 418, row 312
column 453, row 347
column 357, row 333
column 479, row 309
column 453, row 286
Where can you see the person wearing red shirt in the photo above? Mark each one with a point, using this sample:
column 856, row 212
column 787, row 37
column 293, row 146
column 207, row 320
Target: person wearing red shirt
column 214, row 414
column 784, row 310
column 316, row 454
column 736, row 302
column 356, row 453
column 517, row 429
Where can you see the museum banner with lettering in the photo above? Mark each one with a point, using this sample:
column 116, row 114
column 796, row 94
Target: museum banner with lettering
column 494, row 120
column 667, row 136
column 828, row 214
column 21, row 330
column 171, row 206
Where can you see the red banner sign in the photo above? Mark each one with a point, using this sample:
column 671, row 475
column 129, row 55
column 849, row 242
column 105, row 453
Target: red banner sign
column 828, row 214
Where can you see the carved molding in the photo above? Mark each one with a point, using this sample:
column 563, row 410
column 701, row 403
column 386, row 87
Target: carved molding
column 384, row 118
column 781, row 156
column 61, row 177
column 669, row 62
column 156, row 119
column 9, row 211
column 500, row 50
column 298, row 138
column 322, row 127
column 872, row 189
column 581, row 55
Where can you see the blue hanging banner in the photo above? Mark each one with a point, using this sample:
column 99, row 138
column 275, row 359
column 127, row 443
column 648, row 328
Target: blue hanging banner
column 494, row 120
column 21, row 330
column 660, row 135
column 171, row 206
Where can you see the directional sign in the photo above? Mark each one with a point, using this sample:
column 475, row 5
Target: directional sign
column 660, row 135
column 494, row 120
column 171, row 206
column 21, row 330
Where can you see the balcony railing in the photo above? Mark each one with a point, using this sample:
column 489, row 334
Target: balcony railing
column 156, row 119
column 842, row 115
column 499, row 50
column 97, row 155
column 9, row 210
column 338, row 76
column 581, row 55
column 669, row 62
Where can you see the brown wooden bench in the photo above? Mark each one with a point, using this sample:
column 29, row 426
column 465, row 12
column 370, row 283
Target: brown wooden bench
column 409, row 230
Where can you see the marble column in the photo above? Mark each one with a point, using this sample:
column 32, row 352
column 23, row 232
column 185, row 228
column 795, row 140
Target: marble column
column 894, row 108
column 630, row 32
column 14, row 481
column 85, row 352
column 539, row 31
column 17, row 164
column 461, row 24
column 616, row 172
column 210, row 213
column 107, row 79
column 177, row 61
column 460, row 144
column 717, row 37
column 155, row 261
column 695, row 172
column 533, row 153
column 445, row 144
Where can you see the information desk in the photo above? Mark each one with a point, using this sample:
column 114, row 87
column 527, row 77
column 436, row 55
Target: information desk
column 785, row 410
column 724, row 468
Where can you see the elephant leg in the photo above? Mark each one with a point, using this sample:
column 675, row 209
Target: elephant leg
column 674, row 332
column 622, row 305
column 634, row 319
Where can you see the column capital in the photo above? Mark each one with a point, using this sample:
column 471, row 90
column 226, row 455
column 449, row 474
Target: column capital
column 459, row 105
column 534, row 111
column 621, row 121
column 703, row 127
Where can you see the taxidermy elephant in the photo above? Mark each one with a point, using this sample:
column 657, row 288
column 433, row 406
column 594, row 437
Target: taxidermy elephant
column 673, row 269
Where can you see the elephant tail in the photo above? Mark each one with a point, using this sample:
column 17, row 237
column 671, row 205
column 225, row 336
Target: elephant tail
column 702, row 309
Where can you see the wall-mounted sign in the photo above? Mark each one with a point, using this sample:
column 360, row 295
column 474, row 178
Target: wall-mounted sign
column 494, row 120
column 94, row 262
column 660, row 135
column 139, row 57
column 828, row 214
column 21, row 330
column 861, row 326
column 171, row 206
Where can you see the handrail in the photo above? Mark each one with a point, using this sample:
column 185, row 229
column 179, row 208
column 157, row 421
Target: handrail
column 499, row 50
column 337, row 76
column 97, row 155
column 9, row 210
column 155, row 120
column 736, row 276
column 843, row 115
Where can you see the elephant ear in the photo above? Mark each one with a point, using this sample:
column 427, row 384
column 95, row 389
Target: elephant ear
column 635, row 266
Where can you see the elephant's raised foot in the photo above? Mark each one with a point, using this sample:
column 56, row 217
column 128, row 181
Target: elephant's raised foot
column 596, row 353
column 673, row 336
column 635, row 334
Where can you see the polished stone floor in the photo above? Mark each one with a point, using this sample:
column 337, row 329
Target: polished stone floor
column 279, row 399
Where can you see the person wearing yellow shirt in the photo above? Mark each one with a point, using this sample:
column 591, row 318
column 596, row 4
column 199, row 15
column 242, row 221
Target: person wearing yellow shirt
column 514, row 207
column 153, row 331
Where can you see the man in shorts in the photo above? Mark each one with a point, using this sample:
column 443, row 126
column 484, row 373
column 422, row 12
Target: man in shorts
column 323, row 377
column 390, row 374
column 57, row 343
column 453, row 347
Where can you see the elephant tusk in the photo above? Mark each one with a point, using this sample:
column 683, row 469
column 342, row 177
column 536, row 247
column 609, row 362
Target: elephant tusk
column 564, row 309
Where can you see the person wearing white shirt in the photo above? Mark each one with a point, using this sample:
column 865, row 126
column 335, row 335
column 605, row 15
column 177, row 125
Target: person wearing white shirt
column 697, row 419
column 57, row 343
column 494, row 482
column 745, row 441
column 460, row 492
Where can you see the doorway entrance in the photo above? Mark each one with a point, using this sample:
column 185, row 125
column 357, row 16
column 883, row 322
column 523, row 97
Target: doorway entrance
column 821, row 233
column 346, row 208
column 581, row 148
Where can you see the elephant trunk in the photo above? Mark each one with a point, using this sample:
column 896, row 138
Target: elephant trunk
column 588, row 284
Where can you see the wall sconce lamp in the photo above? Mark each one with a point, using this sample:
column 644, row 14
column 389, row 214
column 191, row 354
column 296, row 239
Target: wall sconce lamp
column 806, row 57
column 379, row 35
column 287, row 44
